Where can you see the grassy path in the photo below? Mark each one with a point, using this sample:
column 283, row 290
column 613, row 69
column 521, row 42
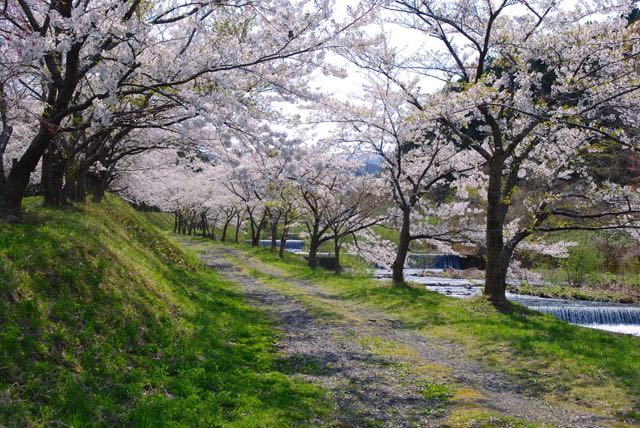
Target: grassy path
column 380, row 370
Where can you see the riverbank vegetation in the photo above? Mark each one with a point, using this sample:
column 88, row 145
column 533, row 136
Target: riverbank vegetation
column 556, row 360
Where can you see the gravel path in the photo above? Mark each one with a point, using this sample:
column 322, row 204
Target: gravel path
column 343, row 350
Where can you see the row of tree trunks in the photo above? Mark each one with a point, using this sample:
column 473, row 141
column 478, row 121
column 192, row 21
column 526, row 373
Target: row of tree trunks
column 198, row 223
column 256, row 224
column 53, row 176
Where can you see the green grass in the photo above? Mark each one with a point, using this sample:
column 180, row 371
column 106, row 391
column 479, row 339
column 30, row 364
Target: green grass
column 480, row 418
column 619, row 294
column 161, row 220
column 562, row 362
column 437, row 395
column 105, row 322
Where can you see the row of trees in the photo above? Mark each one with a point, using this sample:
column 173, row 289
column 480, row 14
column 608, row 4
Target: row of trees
column 498, row 130
column 266, row 190
column 84, row 84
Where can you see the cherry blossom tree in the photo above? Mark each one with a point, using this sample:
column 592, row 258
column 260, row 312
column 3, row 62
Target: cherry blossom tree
column 353, row 209
column 335, row 202
column 417, row 159
column 95, row 54
column 531, row 87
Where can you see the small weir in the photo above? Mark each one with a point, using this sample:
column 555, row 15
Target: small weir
column 443, row 261
column 614, row 317
column 585, row 315
column 292, row 245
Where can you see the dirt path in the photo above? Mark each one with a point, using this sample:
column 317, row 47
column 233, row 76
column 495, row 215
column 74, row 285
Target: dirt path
column 379, row 372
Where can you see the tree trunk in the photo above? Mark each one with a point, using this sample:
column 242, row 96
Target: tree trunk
column 336, row 255
column 238, row 223
column 397, row 268
column 252, row 228
column 205, row 227
column 256, row 229
column 17, row 181
column 312, row 260
column 255, row 241
column 99, row 187
column 283, row 240
column 496, row 270
column 52, row 177
column 4, row 141
column 75, row 188
column 99, row 191
column 213, row 227
column 224, row 230
column 175, row 222
column 183, row 224
column 274, row 236
column 82, row 184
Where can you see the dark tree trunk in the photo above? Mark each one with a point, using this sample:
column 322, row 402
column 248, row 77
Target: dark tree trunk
column 397, row 269
column 314, row 243
column 52, row 177
column 75, row 188
column 256, row 228
column 255, row 240
column 312, row 260
column 336, row 255
column 81, row 186
column 183, row 224
column 283, row 243
column 4, row 141
column 175, row 222
column 205, row 227
column 99, row 187
column 496, row 269
column 99, row 191
column 17, row 181
column 225, row 227
column 213, row 227
column 238, row 224
column 283, row 239
column 13, row 192
column 5, row 135
column 252, row 228
column 274, row 236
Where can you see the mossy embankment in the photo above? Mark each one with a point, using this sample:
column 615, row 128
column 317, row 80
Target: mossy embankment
column 105, row 322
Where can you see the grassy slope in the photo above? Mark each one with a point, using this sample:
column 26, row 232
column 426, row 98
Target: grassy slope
column 104, row 322
column 163, row 221
column 595, row 369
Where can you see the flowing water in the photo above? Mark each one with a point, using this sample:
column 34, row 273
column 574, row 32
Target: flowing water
column 588, row 315
column 615, row 317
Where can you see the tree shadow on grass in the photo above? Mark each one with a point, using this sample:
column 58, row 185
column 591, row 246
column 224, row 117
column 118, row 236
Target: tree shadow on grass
column 105, row 323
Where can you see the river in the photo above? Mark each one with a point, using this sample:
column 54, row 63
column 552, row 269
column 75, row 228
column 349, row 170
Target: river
column 614, row 317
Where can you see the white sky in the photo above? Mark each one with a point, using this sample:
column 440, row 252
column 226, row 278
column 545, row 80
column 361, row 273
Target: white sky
column 404, row 40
